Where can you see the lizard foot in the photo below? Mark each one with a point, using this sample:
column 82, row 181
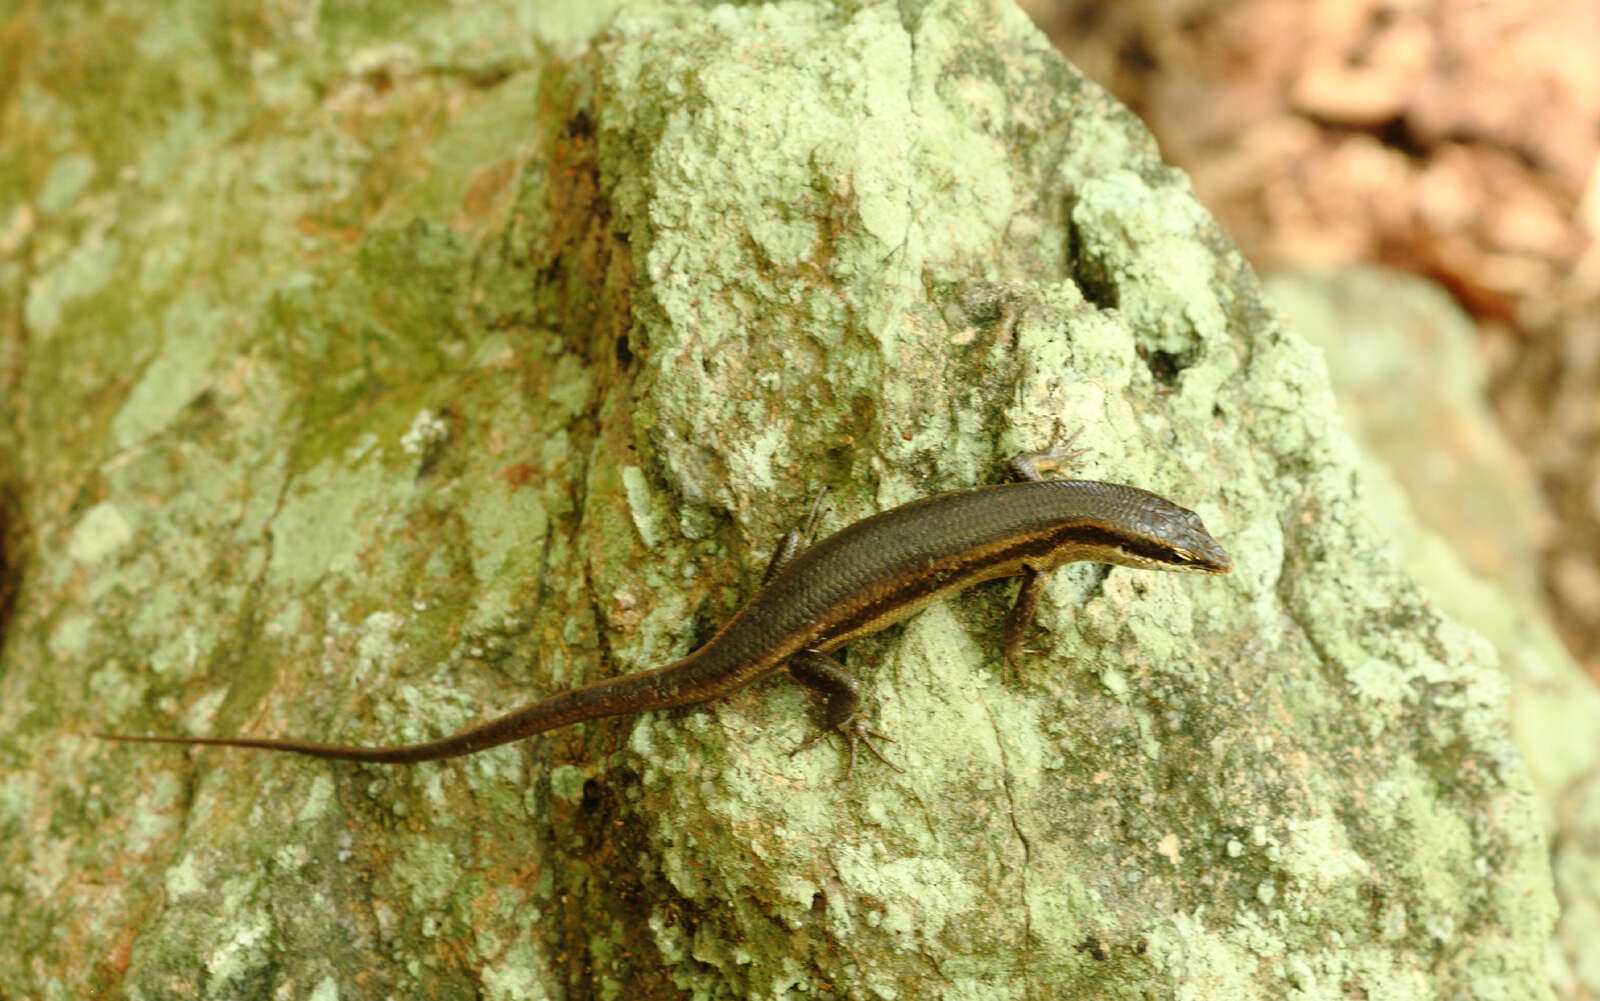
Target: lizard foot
column 854, row 731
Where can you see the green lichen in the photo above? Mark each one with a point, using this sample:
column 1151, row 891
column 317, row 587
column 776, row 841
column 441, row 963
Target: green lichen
column 421, row 371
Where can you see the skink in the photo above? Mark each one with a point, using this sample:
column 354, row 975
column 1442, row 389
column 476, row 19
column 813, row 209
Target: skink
column 868, row 576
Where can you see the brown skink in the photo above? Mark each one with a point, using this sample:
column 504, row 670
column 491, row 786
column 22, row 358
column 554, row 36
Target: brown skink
column 852, row 584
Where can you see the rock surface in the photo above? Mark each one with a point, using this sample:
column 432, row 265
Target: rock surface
column 373, row 381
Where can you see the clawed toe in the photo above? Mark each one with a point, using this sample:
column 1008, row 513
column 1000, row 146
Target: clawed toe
column 854, row 732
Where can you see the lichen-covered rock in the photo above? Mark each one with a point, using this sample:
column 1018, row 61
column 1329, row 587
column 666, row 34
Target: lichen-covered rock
column 1409, row 374
column 366, row 386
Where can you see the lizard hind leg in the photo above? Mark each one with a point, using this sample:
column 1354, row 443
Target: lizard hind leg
column 797, row 539
column 828, row 678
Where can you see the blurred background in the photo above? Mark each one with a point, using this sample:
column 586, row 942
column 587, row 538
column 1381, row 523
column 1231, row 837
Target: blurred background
column 1453, row 140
